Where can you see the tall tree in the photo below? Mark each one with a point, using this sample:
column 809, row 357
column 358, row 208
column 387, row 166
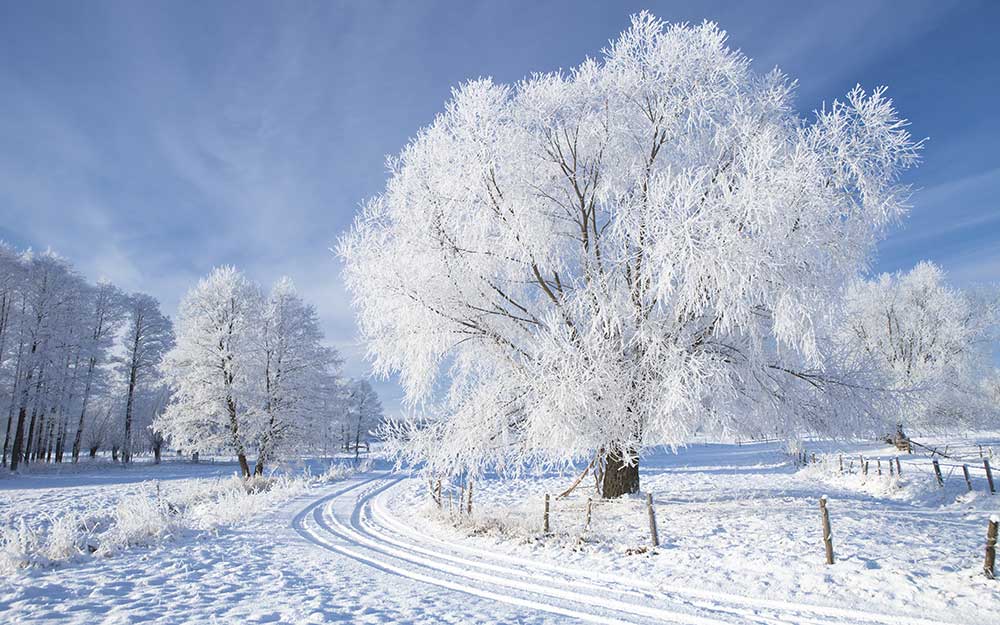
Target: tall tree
column 211, row 368
column 105, row 310
column 148, row 336
column 588, row 263
column 293, row 362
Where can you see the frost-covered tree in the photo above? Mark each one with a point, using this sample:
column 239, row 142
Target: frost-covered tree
column 148, row 336
column 104, row 311
column 293, row 363
column 927, row 339
column 212, row 368
column 363, row 414
column 588, row 263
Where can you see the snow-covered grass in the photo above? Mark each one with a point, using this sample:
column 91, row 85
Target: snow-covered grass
column 745, row 519
column 55, row 526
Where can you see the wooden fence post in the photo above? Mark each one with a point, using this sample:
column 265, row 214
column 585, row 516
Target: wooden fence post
column 841, row 458
column 937, row 472
column 968, row 480
column 866, row 467
column 878, row 465
column 545, row 525
column 827, row 533
column 653, row 536
column 899, row 469
column 991, row 547
column 989, row 475
column 590, row 503
column 469, row 508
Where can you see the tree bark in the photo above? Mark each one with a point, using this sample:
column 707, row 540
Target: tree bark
column 619, row 478
column 93, row 451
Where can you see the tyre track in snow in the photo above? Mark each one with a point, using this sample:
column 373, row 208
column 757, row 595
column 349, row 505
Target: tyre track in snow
column 354, row 522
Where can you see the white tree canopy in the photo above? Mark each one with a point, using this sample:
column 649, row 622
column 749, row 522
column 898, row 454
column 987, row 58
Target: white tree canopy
column 617, row 256
column 928, row 339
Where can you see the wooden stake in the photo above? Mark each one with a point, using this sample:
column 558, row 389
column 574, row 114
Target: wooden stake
column 937, row 472
column 989, row 475
column 991, row 547
column 878, row 466
column 899, row 469
column 590, row 503
column 827, row 533
column 653, row 536
column 469, row 507
column 545, row 525
column 841, row 458
column 866, row 467
column 892, row 469
column 968, row 481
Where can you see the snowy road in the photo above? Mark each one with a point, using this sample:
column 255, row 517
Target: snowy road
column 353, row 522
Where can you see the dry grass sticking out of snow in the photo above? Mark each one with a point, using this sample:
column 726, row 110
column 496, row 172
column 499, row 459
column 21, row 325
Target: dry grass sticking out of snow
column 156, row 513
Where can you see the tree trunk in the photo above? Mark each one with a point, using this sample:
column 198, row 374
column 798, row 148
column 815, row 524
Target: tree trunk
column 77, row 438
column 127, row 444
column 16, row 451
column 156, row 453
column 619, row 478
column 114, row 453
column 93, row 451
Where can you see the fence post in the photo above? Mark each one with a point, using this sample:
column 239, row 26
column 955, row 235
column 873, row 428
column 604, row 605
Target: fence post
column 878, row 466
column 937, row 472
column 469, row 508
column 866, row 467
column 899, row 469
column 653, row 536
column 892, row 470
column 841, row 458
column 991, row 547
column 827, row 534
column 989, row 475
column 968, row 480
column 590, row 503
column 545, row 525
column 440, row 503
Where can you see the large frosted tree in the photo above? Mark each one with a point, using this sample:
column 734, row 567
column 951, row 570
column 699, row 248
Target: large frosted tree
column 587, row 263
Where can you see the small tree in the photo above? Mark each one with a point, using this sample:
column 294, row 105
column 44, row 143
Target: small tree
column 362, row 414
column 930, row 340
column 588, row 263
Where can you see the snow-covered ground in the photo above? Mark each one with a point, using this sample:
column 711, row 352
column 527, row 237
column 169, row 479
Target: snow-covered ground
column 739, row 528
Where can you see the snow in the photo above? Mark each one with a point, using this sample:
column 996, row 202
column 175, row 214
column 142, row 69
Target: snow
column 739, row 528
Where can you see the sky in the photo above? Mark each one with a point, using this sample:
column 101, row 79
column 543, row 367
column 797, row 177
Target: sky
column 149, row 142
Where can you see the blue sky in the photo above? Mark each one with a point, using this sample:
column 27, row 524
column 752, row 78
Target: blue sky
column 151, row 141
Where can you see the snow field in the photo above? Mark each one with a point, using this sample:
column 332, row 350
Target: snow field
column 746, row 520
column 58, row 525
